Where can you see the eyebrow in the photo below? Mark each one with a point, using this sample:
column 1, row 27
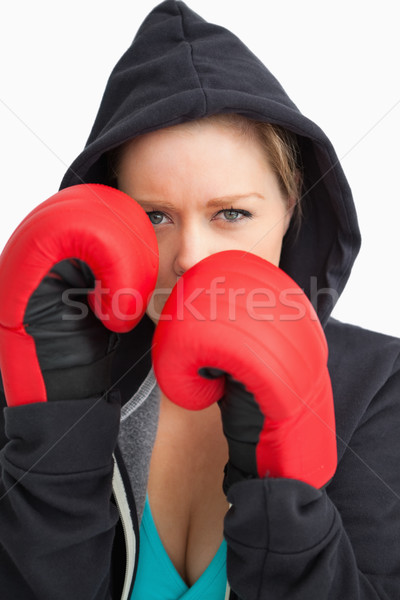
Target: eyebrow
column 213, row 203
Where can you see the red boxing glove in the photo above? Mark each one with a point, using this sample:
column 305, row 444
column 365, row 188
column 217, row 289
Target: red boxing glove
column 91, row 237
column 237, row 315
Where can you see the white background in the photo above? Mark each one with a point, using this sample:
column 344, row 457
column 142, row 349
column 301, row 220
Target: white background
column 338, row 61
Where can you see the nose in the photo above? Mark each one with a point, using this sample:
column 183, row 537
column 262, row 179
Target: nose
column 191, row 247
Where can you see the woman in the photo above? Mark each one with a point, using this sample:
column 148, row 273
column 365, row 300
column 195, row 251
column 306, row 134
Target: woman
column 157, row 139
column 223, row 193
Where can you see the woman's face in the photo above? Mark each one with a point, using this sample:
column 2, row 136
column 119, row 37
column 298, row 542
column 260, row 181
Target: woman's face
column 206, row 188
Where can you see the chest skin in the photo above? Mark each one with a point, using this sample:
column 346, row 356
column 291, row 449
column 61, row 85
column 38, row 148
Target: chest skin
column 185, row 486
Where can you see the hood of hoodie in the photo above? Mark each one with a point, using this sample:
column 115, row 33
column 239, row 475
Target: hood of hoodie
column 180, row 68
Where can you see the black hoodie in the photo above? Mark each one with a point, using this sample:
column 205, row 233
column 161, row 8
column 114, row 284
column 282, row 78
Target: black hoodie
column 181, row 68
column 285, row 539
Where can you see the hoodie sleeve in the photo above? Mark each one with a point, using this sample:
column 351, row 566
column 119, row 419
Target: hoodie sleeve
column 289, row 540
column 57, row 521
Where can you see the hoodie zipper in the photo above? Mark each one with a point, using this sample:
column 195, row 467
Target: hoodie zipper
column 122, row 504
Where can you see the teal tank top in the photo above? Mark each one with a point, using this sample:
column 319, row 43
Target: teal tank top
column 157, row 578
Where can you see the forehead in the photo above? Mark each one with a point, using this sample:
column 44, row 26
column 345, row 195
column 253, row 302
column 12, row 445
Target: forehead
column 191, row 165
column 209, row 138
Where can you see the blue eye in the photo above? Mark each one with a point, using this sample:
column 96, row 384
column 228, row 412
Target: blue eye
column 231, row 215
column 234, row 214
column 155, row 217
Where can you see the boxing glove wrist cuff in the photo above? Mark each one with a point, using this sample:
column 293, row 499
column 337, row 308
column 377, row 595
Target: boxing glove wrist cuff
column 233, row 475
column 77, row 383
